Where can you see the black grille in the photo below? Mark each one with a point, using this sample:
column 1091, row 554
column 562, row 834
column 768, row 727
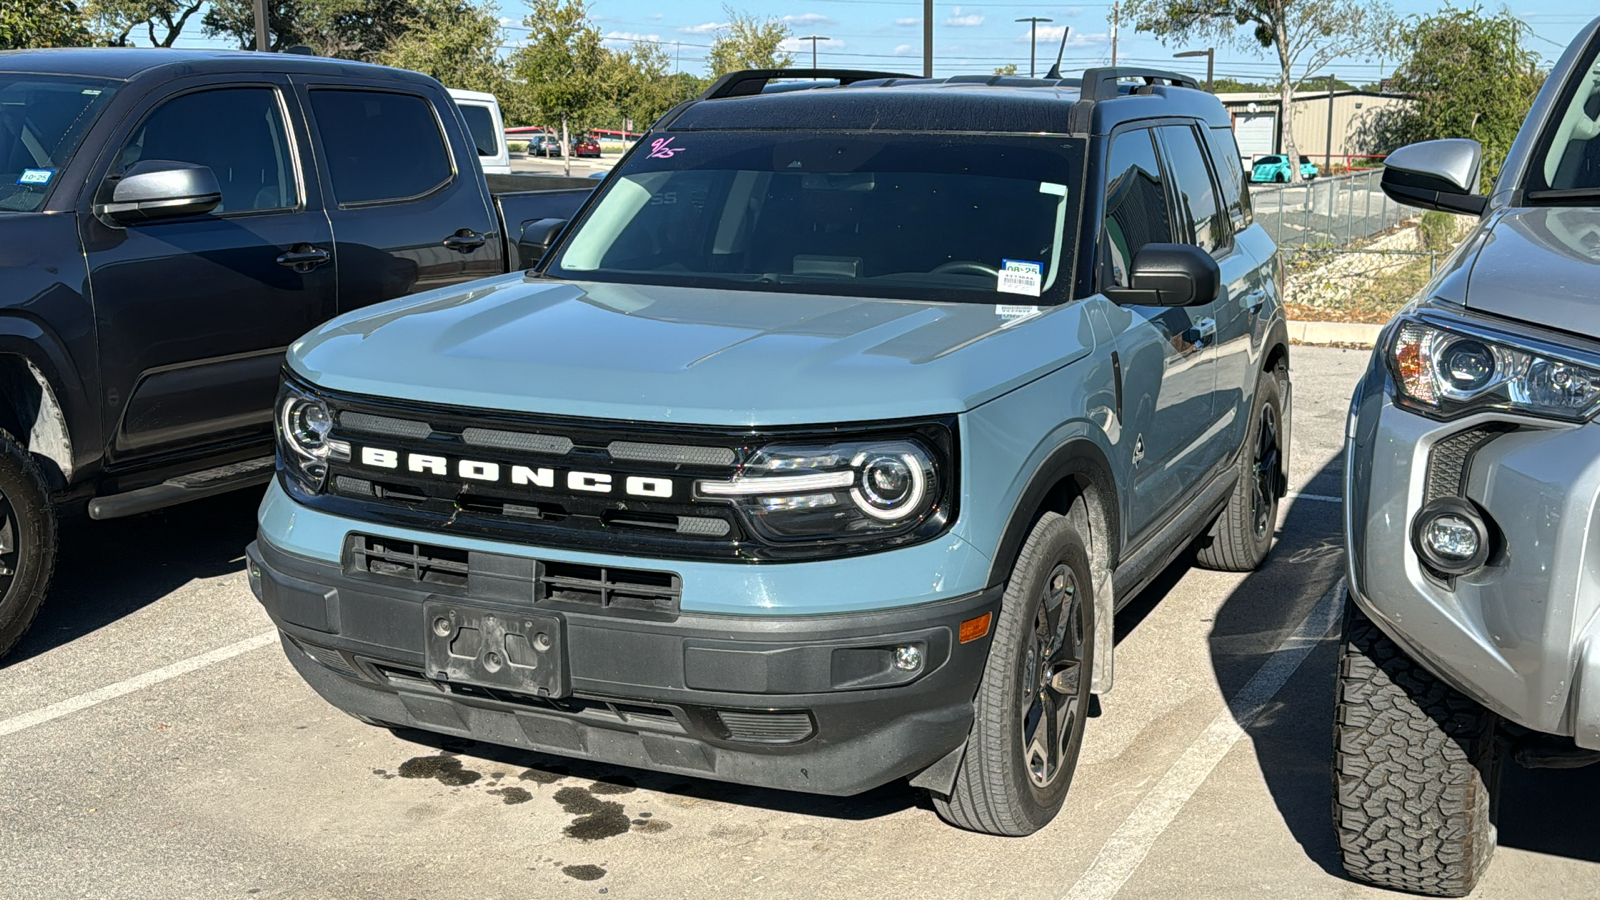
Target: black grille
column 408, row 561
column 762, row 727
column 327, row 658
column 607, row 587
column 1450, row 460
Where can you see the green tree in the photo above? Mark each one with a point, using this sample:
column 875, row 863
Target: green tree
column 562, row 67
column 747, row 42
column 640, row 85
column 1450, row 55
column 460, row 48
column 160, row 20
column 348, row 29
column 1304, row 35
column 42, row 23
column 1007, row 69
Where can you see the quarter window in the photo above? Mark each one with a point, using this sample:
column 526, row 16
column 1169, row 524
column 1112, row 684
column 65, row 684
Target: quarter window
column 1199, row 213
column 237, row 133
column 1225, row 154
column 380, row 146
column 480, row 123
column 1136, row 205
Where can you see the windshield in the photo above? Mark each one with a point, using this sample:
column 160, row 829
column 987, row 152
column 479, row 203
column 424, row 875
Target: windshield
column 939, row 217
column 1571, row 158
column 42, row 118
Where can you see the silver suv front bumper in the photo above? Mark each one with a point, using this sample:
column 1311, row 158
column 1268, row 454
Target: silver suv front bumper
column 1521, row 635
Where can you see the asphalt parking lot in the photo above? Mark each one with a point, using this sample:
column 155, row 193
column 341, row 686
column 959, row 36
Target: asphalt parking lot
column 155, row 743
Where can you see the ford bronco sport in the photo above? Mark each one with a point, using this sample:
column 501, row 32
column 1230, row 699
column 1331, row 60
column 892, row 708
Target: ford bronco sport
column 1471, row 496
column 820, row 451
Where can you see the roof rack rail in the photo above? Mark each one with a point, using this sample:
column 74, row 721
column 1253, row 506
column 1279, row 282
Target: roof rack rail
column 1101, row 84
column 750, row 82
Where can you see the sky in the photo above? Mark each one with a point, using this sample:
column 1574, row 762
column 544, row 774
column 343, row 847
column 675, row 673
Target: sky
column 971, row 37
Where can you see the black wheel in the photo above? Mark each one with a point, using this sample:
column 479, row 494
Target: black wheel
column 1241, row 536
column 1415, row 771
column 1029, row 714
column 27, row 541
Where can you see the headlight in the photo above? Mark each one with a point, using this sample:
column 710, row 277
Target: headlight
column 868, row 488
column 304, row 447
column 1446, row 372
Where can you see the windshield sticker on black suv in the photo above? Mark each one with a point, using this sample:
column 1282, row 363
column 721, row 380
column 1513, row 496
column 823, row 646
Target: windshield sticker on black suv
column 36, row 176
column 1020, row 276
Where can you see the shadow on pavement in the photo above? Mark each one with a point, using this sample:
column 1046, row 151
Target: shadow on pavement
column 106, row 570
column 1544, row 811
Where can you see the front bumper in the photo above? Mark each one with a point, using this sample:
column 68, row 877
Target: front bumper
column 1522, row 634
column 804, row 703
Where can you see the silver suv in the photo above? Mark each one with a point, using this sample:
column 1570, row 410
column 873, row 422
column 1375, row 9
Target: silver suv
column 1472, row 505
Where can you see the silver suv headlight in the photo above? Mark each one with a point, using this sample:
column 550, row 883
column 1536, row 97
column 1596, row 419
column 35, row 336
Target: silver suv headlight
column 1446, row 367
column 303, row 423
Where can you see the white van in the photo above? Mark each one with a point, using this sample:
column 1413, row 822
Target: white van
column 488, row 130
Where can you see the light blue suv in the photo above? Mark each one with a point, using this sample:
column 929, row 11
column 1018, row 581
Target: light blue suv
column 819, row 451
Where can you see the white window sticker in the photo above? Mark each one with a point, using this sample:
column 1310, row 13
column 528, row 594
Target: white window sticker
column 1019, row 276
column 1050, row 187
column 36, row 176
column 1011, row 314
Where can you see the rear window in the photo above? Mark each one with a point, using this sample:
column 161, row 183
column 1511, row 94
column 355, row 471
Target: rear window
column 380, row 147
column 480, row 122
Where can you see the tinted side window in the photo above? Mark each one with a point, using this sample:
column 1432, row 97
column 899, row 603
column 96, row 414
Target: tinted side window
column 1235, row 193
column 1136, row 205
column 380, row 146
column 236, row 132
column 1200, row 216
column 481, row 124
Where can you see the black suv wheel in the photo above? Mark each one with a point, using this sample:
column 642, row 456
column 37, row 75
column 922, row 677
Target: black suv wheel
column 1415, row 768
column 27, row 541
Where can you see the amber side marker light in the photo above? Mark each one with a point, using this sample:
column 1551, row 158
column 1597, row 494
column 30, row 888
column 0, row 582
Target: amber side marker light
column 972, row 629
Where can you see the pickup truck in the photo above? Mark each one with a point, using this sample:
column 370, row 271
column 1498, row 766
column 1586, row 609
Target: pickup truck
column 169, row 222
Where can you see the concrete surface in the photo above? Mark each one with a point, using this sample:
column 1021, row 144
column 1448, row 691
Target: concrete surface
column 1352, row 333
column 129, row 769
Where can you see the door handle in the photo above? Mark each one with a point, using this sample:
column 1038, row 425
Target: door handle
column 303, row 258
column 465, row 241
column 1203, row 334
column 1254, row 300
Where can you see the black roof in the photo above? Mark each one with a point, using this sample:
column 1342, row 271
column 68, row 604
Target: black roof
column 875, row 101
column 127, row 63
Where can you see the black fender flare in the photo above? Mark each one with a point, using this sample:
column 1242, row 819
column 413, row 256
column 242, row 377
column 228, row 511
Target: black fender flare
column 65, row 392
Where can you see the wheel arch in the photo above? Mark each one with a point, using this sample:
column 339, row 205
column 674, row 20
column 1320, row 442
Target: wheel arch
column 36, row 401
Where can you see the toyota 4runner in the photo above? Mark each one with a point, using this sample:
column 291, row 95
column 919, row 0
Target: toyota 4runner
column 819, row 452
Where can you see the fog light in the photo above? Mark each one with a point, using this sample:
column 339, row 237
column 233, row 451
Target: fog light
column 1452, row 536
column 907, row 659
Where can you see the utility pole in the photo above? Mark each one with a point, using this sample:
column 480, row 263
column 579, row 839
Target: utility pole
column 677, row 62
column 1033, row 43
column 262, row 43
column 927, row 38
column 813, row 38
column 1116, row 11
column 1327, row 160
column 1210, row 53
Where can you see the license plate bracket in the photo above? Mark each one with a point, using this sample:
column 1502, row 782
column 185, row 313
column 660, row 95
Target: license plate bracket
column 495, row 648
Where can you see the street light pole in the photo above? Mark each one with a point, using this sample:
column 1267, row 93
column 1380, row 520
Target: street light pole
column 1210, row 53
column 1327, row 159
column 1033, row 43
column 927, row 38
column 260, row 10
column 813, row 38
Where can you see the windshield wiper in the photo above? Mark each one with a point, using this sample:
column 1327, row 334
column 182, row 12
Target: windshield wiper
column 1583, row 193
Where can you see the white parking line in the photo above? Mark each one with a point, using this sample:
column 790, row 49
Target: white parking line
column 1131, row 842
column 1320, row 498
column 137, row 682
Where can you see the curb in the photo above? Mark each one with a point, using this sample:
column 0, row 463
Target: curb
column 1346, row 333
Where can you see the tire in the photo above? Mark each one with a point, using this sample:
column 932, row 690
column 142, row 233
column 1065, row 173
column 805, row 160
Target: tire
column 1241, row 537
column 1415, row 771
column 27, row 541
column 1028, row 726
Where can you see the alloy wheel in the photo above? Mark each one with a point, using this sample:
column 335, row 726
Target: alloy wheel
column 1054, row 679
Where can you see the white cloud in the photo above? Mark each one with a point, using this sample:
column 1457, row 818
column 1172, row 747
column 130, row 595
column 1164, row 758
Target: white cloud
column 806, row 20
column 507, row 20
column 705, row 28
column 795, row 45
column 655, row 17
column 625, row 39
column 969, row 20
column 907, row 50
column 1051, row 34
column 909, row 21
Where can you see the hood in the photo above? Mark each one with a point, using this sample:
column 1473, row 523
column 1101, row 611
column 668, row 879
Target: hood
column 669, row 354
column 1541, row 266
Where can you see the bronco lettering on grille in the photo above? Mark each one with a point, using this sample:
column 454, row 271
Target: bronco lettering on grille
column 517, row 476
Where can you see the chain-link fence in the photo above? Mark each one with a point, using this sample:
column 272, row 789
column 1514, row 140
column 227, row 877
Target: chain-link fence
column 1332, row 211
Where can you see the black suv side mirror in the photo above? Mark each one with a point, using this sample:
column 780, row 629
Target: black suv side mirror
column 162, row 189
column 1169, row 275
column 538, row 236
column 1439, row 175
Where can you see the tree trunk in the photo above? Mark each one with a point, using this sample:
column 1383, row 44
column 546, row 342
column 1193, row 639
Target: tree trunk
column 1286, row 104
column 566, row 147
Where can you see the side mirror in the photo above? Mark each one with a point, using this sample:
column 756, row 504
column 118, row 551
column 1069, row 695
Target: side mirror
column 538, row 236
column 162, row 189
column 1439, row 175
column 1169, row 275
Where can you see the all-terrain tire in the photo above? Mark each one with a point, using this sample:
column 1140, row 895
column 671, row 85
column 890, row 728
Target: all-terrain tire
column 1241, row 537
column 994, row 792
column 27, row 541
column 1415, row 770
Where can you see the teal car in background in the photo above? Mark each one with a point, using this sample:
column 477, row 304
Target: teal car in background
column 1275, row 169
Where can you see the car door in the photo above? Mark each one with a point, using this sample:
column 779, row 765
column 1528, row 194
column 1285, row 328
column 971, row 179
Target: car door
column 193, row 314
column 1169, row 371
column 1201, row 218
column 408, row 207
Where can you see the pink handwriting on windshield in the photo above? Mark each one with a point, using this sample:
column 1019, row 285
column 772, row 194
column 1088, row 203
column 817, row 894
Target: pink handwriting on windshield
column 663, row 149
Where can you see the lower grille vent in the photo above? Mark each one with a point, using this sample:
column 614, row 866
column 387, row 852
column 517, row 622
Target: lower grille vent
column 328, row 658
column 1450, row 460
column 606, row 587
column 758, row 727
column 420, row 563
